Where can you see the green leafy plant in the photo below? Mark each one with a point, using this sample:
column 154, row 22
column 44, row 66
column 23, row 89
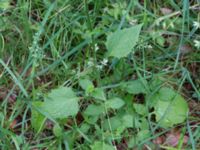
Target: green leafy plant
column 99, row 75
column 121, row 42
column 171, row 108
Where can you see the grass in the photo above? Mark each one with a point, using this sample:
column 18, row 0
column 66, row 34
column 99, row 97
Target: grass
column 45, row 45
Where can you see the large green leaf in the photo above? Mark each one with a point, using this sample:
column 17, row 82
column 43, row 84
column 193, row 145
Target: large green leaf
column 171, row 108
column 121, row 42
column 61, row 103
column 37, row 119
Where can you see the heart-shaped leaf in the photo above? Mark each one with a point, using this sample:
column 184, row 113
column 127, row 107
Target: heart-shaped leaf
column 121, row 42
column 171, row 108
column 61, row 103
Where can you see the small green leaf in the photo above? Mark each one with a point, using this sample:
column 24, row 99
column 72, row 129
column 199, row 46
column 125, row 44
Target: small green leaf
column 57, row 130
column 127, row 121
column 121, row 42
column 101, row 146
column 134, row 87
column 37, row 119
column 87, row 85
column 114, row 103
column 114, row 123
column 98, row 94
column 171, row 108
column 94, row 110
column 61, row 103
column 143, row 134
column 140, row 109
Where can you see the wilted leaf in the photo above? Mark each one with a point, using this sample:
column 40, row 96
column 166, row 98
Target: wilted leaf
column 120, row 43
column 171, row 108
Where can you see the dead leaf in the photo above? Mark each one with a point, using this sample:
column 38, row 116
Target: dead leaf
column 173, row 139
column 165, row 11
column 13, row 124
column 158, row 140
column 185, row 49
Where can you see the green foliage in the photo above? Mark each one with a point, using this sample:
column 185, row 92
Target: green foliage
column 94, row 110
column 171, row 108
column 98, row 74
column 121, row 43
column 114, row 103
column 101, row 146
column 37, row 119
column 57, row 130
column 87, row 85
column 98, row 94
column 59, row 103
column 134, row 87
column 4, row 4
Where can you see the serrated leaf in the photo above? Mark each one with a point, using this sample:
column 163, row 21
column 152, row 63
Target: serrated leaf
column 134, row 87
column 37, row 119
column 171, row 108
column 114, row 103
column 120, row 43
column 61, row 103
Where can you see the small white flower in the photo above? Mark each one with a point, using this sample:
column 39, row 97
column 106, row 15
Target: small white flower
column 96, row 47
column 99, row 67
column 197, row 44
column 104, row 62
column 149, row 46
column 196, row 24
column 90, row 63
